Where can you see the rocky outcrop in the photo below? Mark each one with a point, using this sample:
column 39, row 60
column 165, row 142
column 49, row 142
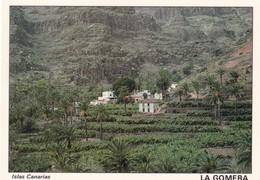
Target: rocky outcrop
column 96, row 71
column 218, row 32
column 167, row 13
column 114, row 18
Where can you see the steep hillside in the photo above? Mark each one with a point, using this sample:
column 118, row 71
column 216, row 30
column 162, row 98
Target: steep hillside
column 84, row 45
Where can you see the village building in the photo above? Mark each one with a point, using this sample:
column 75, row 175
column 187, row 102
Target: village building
column 172, row 87
column 136, row 98
column 158, row 96
column 107, row 97
column 146, row 94
column 148, row 106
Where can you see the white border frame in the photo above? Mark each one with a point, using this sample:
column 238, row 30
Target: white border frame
column 4, row 68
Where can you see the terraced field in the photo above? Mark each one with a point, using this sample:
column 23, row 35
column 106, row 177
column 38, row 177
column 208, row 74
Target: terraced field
column 184, row 142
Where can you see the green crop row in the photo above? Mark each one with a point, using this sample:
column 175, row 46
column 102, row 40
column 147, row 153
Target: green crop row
column 238, row 118
column 34, row 162
column 241, row 111
column 184, row 120
column 123, row 128
column 241, row 125
column 188, row 104
column 224, row 112
column 230, row 137
column 206, row 104
column 90, row 145
column 240, row 104
column 200, row 113
column 23, row 148
column 154, row 138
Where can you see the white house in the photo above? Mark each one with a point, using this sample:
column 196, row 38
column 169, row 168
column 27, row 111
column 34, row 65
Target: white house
column 172, row 87
column 158, row 96
column 148, row 106
column 107, row 96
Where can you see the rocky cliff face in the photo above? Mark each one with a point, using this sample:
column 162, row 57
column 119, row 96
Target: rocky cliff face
column 82, row 45
column 114, row 18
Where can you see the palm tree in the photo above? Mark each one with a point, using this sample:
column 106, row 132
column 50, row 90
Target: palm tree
column 163, row 81
column 166, row 164
column 65, row 105
column 197, row 86
column 179, row 93
column 118, row 158
column 143, row 163
column 236, row 91
column 123, row 91
column 233, row 77
column 185, row 88
column 54, row 97
column 101, row 114
column 46, row 111
column 182, row 90
column 58, row 133
column 209, row 163
column 244, row 152
column 59, row 156
column 215, row 94
column 217, row 98
column 74, row 97
column 221, row 72
column 68, row 133
column 209, row 80
column 83, row 106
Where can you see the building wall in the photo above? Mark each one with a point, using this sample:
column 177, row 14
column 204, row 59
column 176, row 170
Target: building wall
column 141, row 107
column 148, row 107
column 108, row 94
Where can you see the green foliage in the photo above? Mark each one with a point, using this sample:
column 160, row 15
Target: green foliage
column 244, row 152
column 58, row 133
column 155, row 138
column 187, row 69
column 238, row 118
column 126, row 82
column 24, row 148
column 188, row 103
column 242, row 111
column 166, row 164
column 118, row 158
column 101, row 114
column 62, row 159
column 155, row 144
column 241, row 125
column 142, row 128
column 240, row 104
column 33, row 162
column 227, row 138
column 87, row 146
column 30, row 126
column 209, row 163
column 163, row 81
column 143, row 163
column 233, row 75
column 200, row 113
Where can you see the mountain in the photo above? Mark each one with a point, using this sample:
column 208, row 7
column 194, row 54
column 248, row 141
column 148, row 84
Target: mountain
column 90, row 45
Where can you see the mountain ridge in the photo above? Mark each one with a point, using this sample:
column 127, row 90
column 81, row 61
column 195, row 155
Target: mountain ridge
column 85, row 45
